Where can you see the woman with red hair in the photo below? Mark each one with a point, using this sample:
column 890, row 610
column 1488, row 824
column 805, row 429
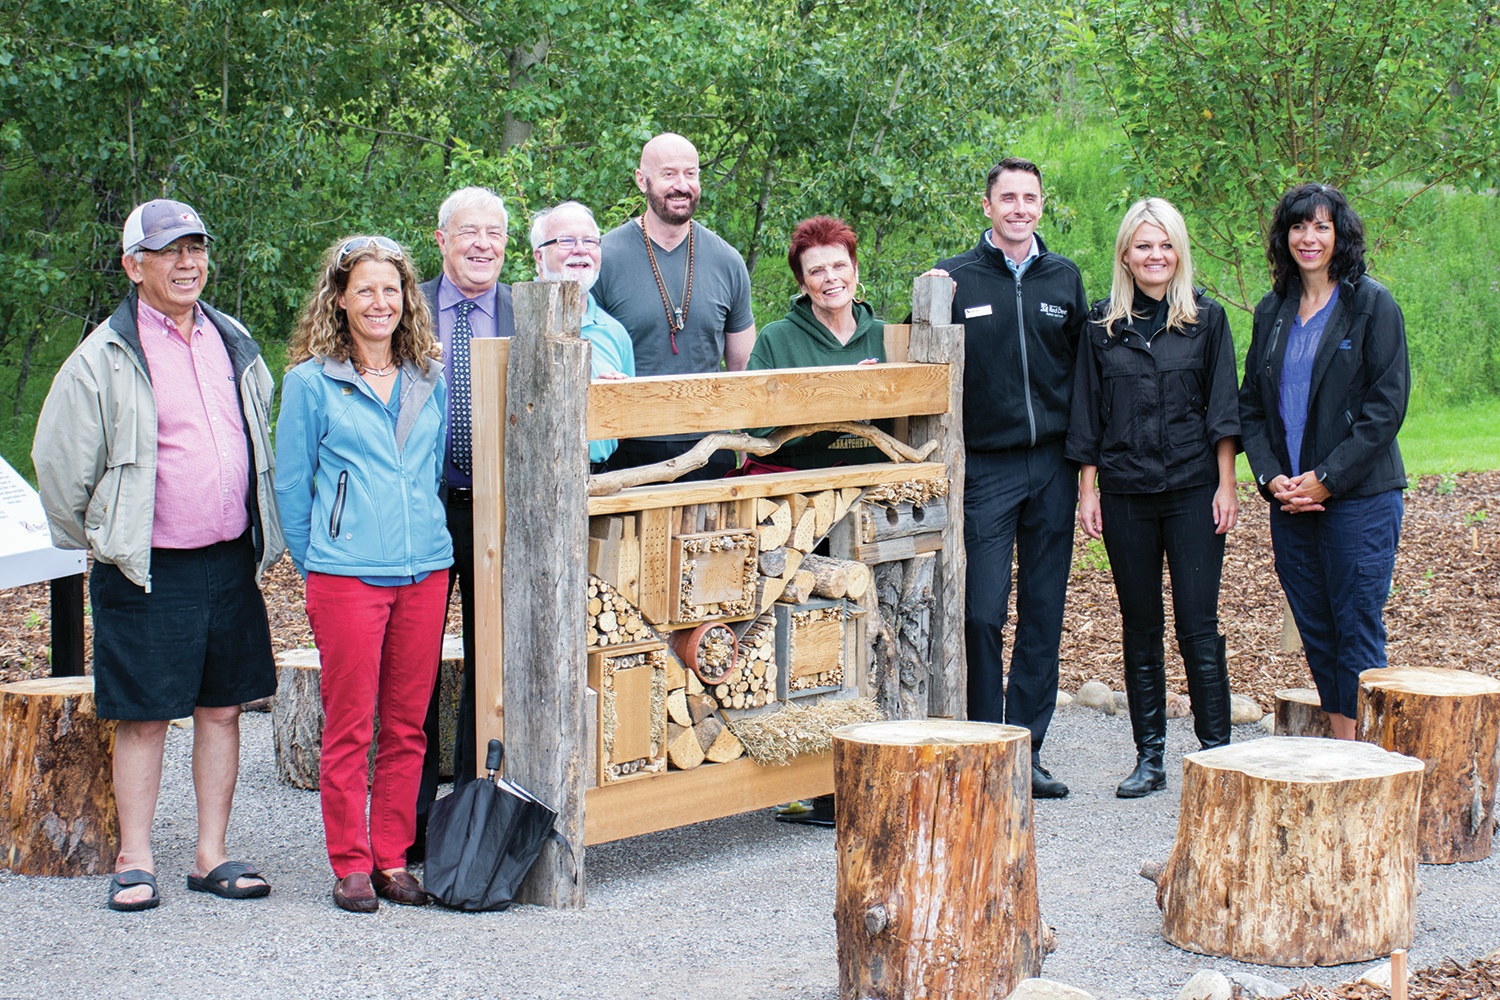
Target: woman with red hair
column 827, row 325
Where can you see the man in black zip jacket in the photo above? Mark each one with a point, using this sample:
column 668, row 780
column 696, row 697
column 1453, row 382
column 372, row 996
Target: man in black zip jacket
column 1023, row 310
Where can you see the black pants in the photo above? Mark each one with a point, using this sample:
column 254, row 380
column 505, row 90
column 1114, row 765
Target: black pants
column 1139, row 528
column 645, row 451
column 461, row 527
column 1019, row 501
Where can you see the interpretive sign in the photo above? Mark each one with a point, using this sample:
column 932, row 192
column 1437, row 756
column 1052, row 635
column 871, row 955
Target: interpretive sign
column 27, row 554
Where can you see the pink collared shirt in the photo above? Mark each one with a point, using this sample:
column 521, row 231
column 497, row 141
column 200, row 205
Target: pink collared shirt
column 202, row 459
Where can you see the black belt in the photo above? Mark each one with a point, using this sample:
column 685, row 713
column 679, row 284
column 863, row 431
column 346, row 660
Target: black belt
column 460, row 496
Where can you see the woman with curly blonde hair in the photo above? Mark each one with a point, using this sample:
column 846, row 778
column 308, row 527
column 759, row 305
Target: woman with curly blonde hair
column 359, row 454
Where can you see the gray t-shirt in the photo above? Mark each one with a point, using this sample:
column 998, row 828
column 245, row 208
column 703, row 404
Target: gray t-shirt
column 720, row 303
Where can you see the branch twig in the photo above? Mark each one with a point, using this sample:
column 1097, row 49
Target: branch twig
column 697, row 457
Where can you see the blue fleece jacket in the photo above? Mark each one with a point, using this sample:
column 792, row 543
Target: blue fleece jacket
column 358, row 493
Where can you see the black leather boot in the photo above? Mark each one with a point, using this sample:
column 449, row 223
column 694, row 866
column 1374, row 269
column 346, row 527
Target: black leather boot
column 1208, row 687
column 1146, row 687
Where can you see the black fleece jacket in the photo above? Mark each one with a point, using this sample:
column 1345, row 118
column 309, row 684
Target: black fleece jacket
column 1020, row 342
column 1361, row 380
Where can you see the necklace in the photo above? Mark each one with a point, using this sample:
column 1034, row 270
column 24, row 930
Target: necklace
column 675, row 315
column 389, row 369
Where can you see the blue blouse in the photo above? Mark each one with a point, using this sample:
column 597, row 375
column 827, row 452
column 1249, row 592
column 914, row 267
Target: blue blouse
column 1296, row 377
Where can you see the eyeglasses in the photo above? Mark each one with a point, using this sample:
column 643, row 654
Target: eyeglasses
column 197, row 251
column 569, row 242
column 359, row 243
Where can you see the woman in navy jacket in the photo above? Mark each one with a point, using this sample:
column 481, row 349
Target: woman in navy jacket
column 1155, row 419
column 1325, row 391
column 359, row 450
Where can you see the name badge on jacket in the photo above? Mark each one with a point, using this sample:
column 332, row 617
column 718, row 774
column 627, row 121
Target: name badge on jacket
column 973, row 312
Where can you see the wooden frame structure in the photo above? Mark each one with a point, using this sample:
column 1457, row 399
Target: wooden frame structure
column 535, row 411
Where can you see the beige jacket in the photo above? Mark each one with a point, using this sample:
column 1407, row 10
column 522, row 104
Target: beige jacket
column 95, row 445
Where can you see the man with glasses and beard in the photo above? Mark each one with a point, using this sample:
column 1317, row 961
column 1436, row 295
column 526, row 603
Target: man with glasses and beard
column 566, row 246
column 681, row 291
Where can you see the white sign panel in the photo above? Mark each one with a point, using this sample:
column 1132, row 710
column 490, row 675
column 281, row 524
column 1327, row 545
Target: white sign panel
column 26, row 551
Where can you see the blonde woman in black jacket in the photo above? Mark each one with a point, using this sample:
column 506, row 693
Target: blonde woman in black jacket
column 1155, row 421
column 1325, row 391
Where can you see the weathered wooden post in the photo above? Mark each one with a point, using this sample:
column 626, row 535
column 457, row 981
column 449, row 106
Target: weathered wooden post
column 1450, row 719
column 937, row 891
column 546, row 574
column 57, row 792
column 935, row 340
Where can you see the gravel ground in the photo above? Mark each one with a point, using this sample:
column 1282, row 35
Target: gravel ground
column 736, row 908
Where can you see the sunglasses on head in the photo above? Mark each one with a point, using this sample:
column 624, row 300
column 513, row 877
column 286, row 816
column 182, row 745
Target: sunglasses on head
column 359, row 243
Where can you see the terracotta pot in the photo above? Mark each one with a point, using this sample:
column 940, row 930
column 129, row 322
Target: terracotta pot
column 690, row 645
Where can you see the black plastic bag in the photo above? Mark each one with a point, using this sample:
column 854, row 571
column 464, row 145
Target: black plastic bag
column 483, row 839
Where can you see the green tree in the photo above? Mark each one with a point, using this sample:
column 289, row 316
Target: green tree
column 1224, row 104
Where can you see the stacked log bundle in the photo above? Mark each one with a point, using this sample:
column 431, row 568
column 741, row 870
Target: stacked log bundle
column 696, row 732
column 57, row 792
column 632, row 721
column 1293, row 851
column 937, row 888
column 613, row 620
column 815, row 646
column 1299, row 712
column 753, row 682
column 1450, row 719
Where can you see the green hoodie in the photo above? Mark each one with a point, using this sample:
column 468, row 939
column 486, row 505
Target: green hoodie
column 801, row 341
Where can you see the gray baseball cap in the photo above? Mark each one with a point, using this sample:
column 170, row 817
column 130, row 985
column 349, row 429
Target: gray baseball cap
column 157, row 223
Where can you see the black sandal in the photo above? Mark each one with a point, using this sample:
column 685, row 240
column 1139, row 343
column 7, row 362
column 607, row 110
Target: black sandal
column 120, row 881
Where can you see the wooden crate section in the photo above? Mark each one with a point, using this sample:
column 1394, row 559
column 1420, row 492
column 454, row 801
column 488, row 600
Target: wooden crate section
column 632, row 714
column 816, row 649
column 714, row 574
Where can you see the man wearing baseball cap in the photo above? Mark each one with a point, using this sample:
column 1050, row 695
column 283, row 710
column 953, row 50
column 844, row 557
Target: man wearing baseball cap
column 152, row 451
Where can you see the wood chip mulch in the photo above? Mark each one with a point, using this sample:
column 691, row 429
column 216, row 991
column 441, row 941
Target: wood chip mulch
column 1444, row 609
column 1479, row 980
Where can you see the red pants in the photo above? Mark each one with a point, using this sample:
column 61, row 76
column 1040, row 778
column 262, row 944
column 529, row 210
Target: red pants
column 380, row 648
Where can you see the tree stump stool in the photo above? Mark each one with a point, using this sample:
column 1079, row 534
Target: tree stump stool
column 937, row 891
column 297, row 713
column 57, row 790
column 1299, row 712
column 1293, row 852
column 1451, row 720
column 297, row 717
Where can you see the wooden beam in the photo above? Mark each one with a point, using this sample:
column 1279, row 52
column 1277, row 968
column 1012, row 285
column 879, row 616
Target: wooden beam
column 774, row 485
column 488, row 360
column 546, row 577
column 935, row 339
column 631, row 808
column 681, row 404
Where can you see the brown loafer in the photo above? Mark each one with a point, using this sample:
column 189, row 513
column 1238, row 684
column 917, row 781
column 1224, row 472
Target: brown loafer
column 355, row 894
column 402, row 888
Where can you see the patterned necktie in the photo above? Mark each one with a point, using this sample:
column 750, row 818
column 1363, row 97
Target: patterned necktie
column 463, row 444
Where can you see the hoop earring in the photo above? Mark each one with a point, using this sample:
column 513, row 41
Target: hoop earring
column 859, row 291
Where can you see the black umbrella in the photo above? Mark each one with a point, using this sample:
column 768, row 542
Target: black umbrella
column 483, row 839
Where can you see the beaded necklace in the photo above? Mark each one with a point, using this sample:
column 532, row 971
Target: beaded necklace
column 675, row 316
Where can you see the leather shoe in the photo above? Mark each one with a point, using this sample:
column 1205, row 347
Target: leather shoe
column 355, row 893
column 401, row 887
column 1043, row 785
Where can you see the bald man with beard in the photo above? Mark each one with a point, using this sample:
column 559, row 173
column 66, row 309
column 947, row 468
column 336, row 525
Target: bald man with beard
column 681, row 291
